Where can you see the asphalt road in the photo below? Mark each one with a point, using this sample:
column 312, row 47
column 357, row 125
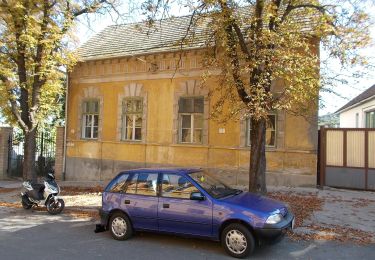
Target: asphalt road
column 37, row 235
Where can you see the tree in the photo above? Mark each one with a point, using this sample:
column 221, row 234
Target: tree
column 35, row 51
column 257, row 42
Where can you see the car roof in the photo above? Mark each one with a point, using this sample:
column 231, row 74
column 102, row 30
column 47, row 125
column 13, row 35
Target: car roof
column 163, row 170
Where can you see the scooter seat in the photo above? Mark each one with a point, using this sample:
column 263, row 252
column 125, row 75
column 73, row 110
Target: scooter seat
column 37, row 186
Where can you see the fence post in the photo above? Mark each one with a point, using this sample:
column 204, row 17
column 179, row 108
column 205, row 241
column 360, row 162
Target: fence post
column 59, row 152
column 366, row 158
column 5, row 134
column 322, row 155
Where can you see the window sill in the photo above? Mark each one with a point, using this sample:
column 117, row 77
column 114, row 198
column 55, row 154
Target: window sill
column 190, row 145
column 90, row 139
column 132, row 141
column 268, row 148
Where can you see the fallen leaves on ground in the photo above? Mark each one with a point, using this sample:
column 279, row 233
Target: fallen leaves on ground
column 361, row 203
column 7, row 190
column 71, row 190
column 334, row 233
column 10, row 205
column 73, row 212
column 302, row 205
column 78, row 213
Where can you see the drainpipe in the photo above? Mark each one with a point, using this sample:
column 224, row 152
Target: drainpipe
column 66, row 123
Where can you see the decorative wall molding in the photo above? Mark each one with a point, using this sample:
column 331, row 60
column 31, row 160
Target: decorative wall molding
column 164, row 65
column 141, row 76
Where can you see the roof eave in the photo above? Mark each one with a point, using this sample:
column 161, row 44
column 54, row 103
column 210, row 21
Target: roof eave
column 106, row 57
column 355, row 105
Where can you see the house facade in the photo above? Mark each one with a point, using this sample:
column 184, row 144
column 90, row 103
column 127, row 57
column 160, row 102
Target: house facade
column 360, row 111
column 137, row 100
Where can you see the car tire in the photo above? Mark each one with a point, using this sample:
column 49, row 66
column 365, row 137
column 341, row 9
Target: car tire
column 120, row 226
column 237, row 240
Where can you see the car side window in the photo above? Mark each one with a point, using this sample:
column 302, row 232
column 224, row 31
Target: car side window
column 119, row 184
column 143, row 184
column 177, row 186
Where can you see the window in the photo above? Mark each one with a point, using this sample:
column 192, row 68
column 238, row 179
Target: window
column 191, row 119
column 212, row 186
column 132, row 119
column 270, row 131
column 143, row 184
column 119, row 184
column 356, row 120
column 90, row 119
column 370, row 119
column 176, row 186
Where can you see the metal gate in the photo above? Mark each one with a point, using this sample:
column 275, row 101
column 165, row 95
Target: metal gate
column 44, row 155
column 15, row 155
column 347, row 158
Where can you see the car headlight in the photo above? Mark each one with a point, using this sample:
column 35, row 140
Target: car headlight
column 274, row 218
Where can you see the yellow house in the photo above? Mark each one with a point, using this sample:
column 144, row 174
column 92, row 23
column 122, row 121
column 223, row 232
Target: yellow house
column 135, row 100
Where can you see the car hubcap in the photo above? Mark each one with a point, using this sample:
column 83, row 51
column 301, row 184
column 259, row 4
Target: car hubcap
column 236, row 242
column 119, row 227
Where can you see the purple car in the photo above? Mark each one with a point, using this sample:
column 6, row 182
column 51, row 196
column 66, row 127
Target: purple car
column 190, row 202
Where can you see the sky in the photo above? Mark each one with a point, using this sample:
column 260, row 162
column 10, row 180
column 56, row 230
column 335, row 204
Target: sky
column 330, row 102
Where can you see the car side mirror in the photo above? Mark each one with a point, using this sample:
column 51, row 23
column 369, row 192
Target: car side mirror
column 197, row 196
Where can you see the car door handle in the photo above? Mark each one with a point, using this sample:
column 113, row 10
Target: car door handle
column 166, row 206
column 127, row 201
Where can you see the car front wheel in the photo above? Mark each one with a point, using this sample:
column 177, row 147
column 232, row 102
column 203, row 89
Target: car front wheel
column 237, row 240
column 120, row 226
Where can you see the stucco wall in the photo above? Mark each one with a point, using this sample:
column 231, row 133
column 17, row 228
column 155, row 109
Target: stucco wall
column 348, row 118
column 292, row 161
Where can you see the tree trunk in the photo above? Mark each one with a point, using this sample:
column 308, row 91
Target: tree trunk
column 257, row 171
column 28, row 169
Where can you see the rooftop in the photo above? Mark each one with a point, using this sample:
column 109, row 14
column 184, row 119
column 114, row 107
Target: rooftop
column 368, row 93
column 139, row 39
column 166, row 35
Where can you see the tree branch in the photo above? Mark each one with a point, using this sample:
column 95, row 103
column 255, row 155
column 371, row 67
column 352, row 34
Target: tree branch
column 13, row 104
column 90, row 8
column 232, row 54
column 38, row 82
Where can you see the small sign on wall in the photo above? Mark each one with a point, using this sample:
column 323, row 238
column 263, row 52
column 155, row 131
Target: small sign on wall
column 221, row 130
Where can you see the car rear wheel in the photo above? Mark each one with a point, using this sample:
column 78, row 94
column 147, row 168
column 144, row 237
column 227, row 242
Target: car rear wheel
column 237, row 240
column 120, row 226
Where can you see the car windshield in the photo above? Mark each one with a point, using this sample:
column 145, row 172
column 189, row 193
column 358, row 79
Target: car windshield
column 212, row 186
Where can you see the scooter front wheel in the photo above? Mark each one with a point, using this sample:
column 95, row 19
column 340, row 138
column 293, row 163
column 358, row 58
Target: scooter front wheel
column 55, row 207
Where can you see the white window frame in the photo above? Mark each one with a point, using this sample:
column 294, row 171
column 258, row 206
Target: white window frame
column 192, row 127
column 248, row 122
column 134, row 115
column 91, row 115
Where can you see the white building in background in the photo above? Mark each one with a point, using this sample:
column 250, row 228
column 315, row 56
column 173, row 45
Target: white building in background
column 360, row 111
